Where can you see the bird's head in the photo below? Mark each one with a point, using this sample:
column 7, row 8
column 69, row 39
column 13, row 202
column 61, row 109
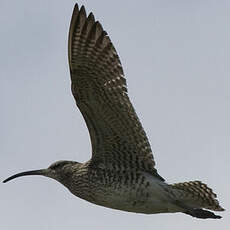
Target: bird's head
column 59, row 170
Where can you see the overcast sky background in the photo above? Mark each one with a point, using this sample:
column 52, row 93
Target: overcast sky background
column 175, row 55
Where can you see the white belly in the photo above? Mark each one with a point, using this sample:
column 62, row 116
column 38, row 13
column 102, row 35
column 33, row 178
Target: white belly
column 151, row 197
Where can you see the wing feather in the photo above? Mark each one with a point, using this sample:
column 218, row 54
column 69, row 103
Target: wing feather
column 100, row 90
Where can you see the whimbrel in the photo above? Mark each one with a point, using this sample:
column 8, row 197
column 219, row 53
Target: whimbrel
column 121, row 173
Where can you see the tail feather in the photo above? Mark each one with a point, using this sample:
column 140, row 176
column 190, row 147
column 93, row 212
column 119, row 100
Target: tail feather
column 198, row 195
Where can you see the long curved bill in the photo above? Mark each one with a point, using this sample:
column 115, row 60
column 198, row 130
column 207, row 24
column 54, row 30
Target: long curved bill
column 42, row 172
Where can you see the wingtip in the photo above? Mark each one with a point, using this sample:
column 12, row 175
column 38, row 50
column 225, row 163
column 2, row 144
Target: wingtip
column 76, row 7
column 82, row 11
column 91, row 16
column 217, row 217
column 77, row 10
column 202, row 214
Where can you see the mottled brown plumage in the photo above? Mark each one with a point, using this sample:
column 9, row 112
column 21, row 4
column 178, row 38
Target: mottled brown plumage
column 121, row 173
column 100, row 90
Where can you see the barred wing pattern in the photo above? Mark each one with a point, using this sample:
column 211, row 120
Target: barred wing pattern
column 99, row 88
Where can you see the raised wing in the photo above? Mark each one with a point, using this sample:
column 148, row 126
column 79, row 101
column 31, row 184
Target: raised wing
column 99, row 88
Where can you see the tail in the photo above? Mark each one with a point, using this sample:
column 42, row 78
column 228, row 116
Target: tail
column 195, row 195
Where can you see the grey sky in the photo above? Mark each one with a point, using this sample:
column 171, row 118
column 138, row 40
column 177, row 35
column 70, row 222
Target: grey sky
column 175, row 55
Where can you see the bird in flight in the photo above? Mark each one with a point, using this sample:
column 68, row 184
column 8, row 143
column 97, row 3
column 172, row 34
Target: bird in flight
column 121, row 173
